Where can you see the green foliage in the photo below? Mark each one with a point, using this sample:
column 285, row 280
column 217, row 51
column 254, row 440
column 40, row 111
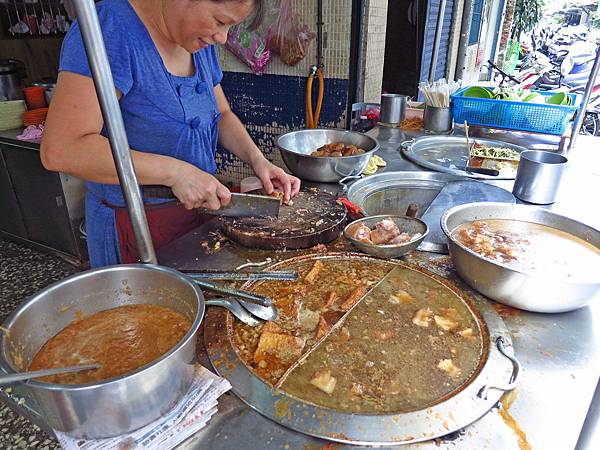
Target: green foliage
column 527, row 15
column 596, row 19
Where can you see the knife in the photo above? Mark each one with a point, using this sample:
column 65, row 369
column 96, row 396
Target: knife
column 241, row 205
column 481, row 170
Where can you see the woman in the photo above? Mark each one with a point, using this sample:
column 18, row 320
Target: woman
column 167, row 77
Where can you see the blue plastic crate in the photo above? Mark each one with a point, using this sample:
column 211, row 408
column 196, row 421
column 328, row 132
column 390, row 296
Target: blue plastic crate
column 535, row 117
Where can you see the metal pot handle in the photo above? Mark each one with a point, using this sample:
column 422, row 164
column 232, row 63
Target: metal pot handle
column 407, row 143
column 514, row 378
column 343, row 181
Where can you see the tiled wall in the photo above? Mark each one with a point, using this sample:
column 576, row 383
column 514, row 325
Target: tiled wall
column 374, row 49
column 272, row 104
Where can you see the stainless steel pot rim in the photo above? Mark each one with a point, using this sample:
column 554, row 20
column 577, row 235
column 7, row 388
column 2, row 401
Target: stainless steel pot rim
column 8, row 368
column 329, row 158
column 385, row 216
column 448, row 233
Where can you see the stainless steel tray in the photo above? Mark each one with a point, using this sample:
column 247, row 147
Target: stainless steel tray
column 446, row 153
column 498, row 372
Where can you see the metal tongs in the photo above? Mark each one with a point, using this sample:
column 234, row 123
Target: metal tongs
column 245, row 305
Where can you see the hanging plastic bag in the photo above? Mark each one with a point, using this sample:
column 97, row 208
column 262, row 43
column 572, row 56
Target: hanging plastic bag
column 289, row 38
column 250, row 46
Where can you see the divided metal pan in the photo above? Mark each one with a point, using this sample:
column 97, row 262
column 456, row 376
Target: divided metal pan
column 497, row 372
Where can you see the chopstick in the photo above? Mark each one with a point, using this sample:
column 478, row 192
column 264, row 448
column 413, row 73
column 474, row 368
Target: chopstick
column 241, row 276
column 251, row 298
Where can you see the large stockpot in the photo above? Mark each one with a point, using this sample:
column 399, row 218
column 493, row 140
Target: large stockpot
column 296, row 147
column 536, row 293
column 121, row 404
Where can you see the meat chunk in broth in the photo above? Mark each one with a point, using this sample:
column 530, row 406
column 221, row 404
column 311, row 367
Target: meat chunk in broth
column 277, row 346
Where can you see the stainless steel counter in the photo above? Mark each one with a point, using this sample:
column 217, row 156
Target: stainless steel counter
column 560, row 353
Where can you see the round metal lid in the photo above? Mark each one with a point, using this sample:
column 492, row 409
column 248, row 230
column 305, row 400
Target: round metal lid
column 496, row 373
column 448, row 153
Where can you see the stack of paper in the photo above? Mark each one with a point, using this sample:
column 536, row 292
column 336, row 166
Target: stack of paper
column 190, row 415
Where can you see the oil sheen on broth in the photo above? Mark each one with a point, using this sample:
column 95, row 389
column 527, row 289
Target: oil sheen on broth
column 531, row 248
column 407, row 345
column 362, row 335
column 120, row 339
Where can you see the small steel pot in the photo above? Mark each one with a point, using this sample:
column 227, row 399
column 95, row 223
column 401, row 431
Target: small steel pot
column 296, row 147
column 121, row 404
column 518, row 289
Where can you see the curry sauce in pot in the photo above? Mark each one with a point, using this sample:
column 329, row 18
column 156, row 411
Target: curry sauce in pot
column 120, row 339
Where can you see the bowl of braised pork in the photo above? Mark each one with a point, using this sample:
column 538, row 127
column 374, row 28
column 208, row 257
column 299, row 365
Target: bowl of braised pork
column 386, row 236
column 525, row 257
column 326, row 155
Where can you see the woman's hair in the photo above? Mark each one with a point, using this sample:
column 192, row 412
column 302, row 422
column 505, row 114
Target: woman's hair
column 258, row 13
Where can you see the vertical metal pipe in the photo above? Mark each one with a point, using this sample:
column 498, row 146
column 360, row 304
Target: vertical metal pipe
column 105, row 88
column 436, row 41
column 463, row 42
column 584, row 102
column 320, row 34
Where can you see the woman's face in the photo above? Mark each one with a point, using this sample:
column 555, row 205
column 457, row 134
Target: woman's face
column 196, row 24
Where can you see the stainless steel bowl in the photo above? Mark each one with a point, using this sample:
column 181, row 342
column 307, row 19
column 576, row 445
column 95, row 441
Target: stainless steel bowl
column 121, row 404
column 406, row 224
column 297, row 146
column 536, row 293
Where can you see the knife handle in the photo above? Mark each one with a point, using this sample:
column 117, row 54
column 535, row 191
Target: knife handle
column 483, row 171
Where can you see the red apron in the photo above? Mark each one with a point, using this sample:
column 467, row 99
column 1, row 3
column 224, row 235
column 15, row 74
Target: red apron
column 166, row 222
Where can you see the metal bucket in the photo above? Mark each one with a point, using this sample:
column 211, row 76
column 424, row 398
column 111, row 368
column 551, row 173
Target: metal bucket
column 121, row 404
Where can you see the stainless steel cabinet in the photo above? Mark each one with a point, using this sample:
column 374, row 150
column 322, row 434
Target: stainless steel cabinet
column 11, row 219
column 44, row 208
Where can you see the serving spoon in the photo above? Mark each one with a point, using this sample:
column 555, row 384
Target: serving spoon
column 22, row 376
column 234, row 307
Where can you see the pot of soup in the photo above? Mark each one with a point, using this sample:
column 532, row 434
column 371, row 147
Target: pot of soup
column 526, row 257
column 139, row 322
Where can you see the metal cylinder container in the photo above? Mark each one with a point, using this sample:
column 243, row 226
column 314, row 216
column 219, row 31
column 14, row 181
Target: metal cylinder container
column 538, row 176
column 437, row 120
column 121, row 404
column 393, row 107
column 11, row 74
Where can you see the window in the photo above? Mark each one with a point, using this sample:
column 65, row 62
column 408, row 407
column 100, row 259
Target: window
column 476, row 21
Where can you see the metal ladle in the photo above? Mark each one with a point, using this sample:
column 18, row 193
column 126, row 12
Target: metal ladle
column 22, row 376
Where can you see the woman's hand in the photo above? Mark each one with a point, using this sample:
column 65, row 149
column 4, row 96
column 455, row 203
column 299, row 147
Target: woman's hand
column 197, row 189
column 275, row 177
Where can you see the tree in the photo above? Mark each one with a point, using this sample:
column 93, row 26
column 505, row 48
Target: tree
column 527, row 15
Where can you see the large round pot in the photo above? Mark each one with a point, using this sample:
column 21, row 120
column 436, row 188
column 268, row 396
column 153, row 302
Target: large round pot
column 121, row 404
column 296, row 147
column 512, row 287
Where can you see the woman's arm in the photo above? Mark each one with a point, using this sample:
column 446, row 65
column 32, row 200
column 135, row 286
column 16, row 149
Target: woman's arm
column 72, row 143
column 234, row 137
